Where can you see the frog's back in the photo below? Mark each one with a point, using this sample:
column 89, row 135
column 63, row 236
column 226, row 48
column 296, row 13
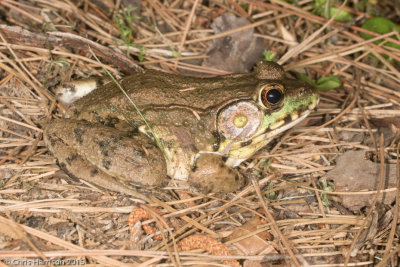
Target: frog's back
column 163, row 90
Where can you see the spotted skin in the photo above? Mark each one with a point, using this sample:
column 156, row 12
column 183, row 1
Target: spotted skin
column 204, row 133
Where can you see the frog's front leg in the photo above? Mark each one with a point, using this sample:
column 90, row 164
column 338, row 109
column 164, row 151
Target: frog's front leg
column 104, row 156
column 210, row 174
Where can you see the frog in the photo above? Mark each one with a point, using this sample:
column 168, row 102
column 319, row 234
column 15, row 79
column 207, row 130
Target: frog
column 190, row 130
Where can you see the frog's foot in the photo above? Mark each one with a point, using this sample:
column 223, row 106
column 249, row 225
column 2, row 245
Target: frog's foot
column 100, row 155
column 69, row 92
column 211, row 174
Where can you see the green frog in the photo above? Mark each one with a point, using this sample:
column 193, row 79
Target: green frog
column 205, row 128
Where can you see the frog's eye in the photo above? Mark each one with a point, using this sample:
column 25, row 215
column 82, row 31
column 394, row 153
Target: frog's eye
column 272, row 95
column 239, row 121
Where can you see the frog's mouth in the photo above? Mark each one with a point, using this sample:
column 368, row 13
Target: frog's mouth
column 269, row 134
column 240, row 151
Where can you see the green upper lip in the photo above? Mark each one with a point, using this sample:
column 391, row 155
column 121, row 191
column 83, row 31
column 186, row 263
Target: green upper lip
column 292, row 106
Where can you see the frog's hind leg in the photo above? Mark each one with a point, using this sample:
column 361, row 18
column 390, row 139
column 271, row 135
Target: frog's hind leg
column 69, row 92
column 102, row 156
column 76, row 167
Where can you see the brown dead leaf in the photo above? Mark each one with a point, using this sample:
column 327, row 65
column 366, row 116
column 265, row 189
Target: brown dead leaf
column 354, row 172
column 251, row 244
column 237, row 52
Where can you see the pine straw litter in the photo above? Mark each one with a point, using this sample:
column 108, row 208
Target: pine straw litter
column 282, row 215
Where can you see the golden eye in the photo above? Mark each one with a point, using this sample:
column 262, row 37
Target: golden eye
column 272, row 96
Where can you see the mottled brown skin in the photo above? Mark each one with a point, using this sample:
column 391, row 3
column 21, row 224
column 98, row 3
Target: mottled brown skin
column 159, row 97
column 100, row 131
column 104, row 145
